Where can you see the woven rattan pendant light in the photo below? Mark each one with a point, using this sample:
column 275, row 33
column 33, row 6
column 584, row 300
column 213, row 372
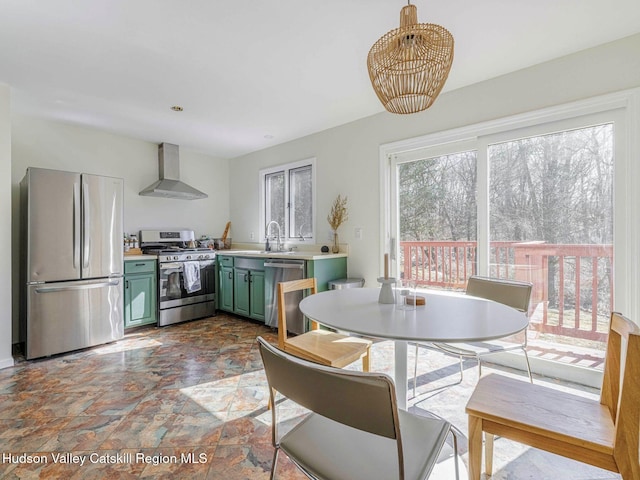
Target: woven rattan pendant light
column 409, row 65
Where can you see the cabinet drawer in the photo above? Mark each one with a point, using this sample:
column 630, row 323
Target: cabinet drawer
column 225, row 261
column 249, row 263
column 139, row 266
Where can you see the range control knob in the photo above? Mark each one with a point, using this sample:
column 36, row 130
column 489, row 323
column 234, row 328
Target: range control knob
column 188, row 257
column 175, row 257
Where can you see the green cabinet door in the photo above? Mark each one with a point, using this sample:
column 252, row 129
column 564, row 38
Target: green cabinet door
column 256, row 288
column 226, row 289
column 140, row 299
column 225, row 282
column 248, row 287
column 241, row 291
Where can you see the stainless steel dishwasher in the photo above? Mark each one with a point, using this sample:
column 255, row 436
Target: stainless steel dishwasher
column 276, row 271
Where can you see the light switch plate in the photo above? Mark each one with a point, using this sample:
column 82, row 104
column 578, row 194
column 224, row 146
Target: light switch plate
column 357, row 233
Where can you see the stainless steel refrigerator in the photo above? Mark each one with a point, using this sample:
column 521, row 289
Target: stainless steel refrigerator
column 71, row 261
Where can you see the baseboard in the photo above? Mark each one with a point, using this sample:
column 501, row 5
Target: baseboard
column 6, row 362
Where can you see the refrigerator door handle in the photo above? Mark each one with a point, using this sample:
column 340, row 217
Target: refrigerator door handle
column 87, row 216
column 76, row 225
column 110, row 283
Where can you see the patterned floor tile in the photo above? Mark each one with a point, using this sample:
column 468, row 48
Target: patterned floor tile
column 189, row 401
column 115, row 402
column 139, row 431
column 193, row 429
column 161, row 401
column 246, row 428
column 241, row 462
column 82, row 433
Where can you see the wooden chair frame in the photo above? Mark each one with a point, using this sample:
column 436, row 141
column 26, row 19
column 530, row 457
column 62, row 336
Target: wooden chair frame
column 320, row 346
column 602, row 433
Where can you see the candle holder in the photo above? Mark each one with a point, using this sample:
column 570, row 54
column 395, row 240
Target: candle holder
column 386, row 292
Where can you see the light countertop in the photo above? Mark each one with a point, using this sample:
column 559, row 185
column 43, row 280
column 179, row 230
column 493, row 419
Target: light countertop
column 294, row 255
column 140, row 257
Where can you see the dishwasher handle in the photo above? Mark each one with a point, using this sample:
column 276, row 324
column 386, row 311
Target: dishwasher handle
column 299, row 266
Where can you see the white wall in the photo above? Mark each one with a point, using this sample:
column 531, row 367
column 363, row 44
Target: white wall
column 47, row 144
column 6, row 360
column 348, row 156
column 347, row 160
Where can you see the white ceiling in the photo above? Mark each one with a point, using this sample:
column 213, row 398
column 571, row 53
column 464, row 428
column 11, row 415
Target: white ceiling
column 246, row 71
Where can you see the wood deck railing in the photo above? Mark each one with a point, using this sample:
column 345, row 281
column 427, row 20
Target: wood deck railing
column 572, row 284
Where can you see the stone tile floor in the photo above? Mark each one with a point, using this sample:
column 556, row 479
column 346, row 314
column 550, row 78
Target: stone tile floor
column 189, row 401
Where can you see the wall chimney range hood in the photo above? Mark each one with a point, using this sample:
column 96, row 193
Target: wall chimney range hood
column 169, row 185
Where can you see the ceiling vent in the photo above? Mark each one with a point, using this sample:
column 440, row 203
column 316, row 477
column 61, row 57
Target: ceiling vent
column 169, row 185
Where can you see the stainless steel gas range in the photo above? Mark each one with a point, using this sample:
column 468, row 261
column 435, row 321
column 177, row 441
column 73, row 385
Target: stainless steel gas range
column 186, row 275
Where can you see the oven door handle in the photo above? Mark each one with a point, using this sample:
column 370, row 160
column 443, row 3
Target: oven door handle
column 171, row 266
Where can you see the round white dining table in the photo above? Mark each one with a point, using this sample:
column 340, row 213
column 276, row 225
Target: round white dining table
column 445, row 317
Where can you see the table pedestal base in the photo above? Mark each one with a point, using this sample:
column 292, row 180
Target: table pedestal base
column 400, row 375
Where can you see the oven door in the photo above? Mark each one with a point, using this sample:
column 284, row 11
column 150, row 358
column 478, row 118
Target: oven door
column 171, row 286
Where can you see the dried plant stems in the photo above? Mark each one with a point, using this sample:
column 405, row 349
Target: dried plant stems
column 338, row 214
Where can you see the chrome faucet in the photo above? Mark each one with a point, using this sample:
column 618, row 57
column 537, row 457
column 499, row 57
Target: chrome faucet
column 266, row 234
column 300, row 232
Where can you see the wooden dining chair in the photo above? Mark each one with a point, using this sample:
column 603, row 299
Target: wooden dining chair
column 355, row 429
column 515, row 294
column 602, row 433
column 320, row 346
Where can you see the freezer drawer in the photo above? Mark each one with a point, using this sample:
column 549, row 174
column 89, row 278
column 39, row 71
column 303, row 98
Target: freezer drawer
column 67, row 316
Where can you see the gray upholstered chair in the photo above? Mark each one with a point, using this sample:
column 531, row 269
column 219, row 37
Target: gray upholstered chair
column 354, row 429
column 515, row 294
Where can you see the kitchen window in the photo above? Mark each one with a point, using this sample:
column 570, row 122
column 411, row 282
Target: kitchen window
column 288, row 198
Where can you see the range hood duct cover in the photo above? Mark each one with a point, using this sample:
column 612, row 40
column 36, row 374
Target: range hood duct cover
column 169, row 185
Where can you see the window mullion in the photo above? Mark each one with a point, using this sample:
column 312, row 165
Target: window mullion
column 287, row 204
column 482, row 202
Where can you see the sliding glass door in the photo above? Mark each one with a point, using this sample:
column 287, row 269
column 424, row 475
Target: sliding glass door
column 551, row 223
column 533, row 203
column 437, row 219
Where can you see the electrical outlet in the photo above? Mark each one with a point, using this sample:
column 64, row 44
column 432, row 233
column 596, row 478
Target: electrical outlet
column 252, row 236
column 357, row 233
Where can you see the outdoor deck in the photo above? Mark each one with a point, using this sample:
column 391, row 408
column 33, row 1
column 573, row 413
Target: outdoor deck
column 572, row 288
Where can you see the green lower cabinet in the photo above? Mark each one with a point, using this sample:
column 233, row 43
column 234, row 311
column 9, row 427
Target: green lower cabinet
column 241, row 291
column 241, row 282
column 226, row 289
column 248, row 292
column 327, row 269
column 256, row 293
column 225, row 282
column 140, row 293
